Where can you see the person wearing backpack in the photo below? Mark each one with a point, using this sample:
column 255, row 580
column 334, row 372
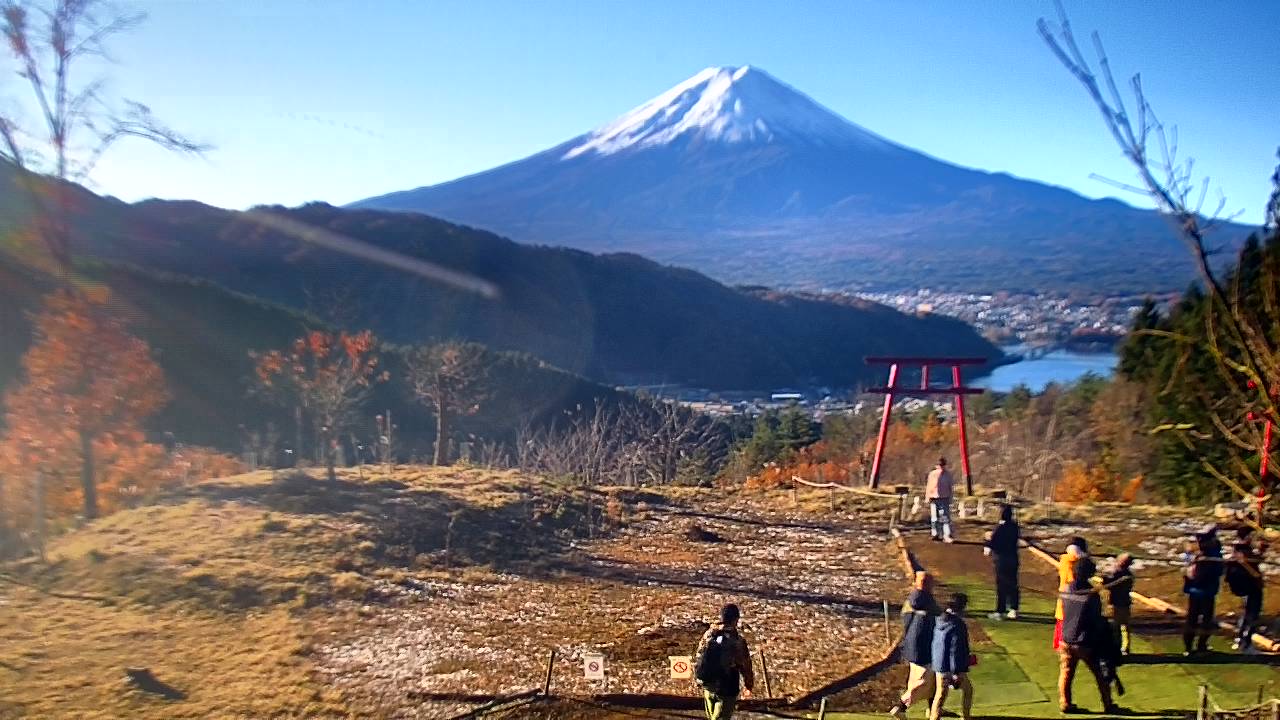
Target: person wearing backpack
column 1202, row 578
column 1119, row 584
column 1244, row 579
column 951, row 658
column 918, row 617
column 722, row 661
column 1085, row 638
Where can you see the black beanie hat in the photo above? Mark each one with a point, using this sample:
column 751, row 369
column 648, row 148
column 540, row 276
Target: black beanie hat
column 729, row 614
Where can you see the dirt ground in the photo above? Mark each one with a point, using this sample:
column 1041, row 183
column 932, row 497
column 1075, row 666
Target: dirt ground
column 810, row 591
column 423, row 593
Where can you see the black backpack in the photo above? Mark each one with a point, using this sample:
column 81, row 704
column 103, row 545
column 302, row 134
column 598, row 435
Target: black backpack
column 713, row 667
column 1240, row 580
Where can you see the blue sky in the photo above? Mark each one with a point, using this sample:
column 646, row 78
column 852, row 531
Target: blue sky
column 338, row 100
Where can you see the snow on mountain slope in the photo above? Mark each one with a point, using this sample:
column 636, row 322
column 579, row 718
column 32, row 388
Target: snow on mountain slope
column 739, row 175
column 729, row 105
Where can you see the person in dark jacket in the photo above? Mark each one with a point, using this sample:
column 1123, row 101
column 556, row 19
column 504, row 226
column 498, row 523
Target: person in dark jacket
column 951, row 658
column 1244, row 577
column 918, row 617
column 1202, row 578
column 1082, row 623
column 1119, row 585
column 1002, row 546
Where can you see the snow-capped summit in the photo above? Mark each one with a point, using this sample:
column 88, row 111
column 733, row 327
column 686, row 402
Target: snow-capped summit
column 728, row 105
column 737, row 174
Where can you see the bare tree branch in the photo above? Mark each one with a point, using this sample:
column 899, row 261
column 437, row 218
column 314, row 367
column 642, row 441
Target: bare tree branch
column 76, row 125
column 1243, row 350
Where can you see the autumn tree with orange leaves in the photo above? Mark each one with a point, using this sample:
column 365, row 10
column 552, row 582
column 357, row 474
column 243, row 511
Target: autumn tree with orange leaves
column 88, row 386
column 325, row 376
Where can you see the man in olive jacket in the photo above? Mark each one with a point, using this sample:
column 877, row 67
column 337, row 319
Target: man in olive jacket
column 720, row 695
column 918, row 617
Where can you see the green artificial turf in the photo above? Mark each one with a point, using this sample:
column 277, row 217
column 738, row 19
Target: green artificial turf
column 1017, row 672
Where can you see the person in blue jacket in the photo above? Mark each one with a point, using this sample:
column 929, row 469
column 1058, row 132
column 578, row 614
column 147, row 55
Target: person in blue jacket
column 951, row 658
column 918, row 617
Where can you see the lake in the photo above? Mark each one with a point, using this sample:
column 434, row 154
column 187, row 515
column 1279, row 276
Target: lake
column 1060, row 366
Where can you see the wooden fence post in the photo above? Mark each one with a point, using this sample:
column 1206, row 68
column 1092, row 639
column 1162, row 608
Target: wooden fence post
column 764, row 667
column 888, row 634
column 546, row 685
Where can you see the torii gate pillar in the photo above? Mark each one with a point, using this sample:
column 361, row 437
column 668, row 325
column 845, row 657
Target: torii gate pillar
column 893, row 390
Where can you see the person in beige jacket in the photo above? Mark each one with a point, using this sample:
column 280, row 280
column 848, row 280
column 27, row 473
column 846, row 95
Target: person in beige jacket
column 937, row 490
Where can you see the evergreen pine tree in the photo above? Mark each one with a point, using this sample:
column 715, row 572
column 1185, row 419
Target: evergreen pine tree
column 795, row 429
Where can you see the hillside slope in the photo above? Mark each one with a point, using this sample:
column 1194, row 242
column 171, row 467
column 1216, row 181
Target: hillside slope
column 202, row 334
column 422, row 592
column 614, row 318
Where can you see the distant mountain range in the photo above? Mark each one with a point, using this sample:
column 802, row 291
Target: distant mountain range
column 738, row 175
column 618, row 318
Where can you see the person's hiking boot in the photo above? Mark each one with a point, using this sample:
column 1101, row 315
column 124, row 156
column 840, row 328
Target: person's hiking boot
column 898, row 711
column 948, row 540
column 1114, row 709
column 1012, row 615
column 995, row 616
column 1073, row 709
column 935, row 538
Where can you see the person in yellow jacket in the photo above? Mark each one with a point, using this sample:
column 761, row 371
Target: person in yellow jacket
column 1067, row 565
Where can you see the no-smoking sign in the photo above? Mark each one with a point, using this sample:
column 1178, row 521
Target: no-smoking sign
column 593, row 666
column 681, row 666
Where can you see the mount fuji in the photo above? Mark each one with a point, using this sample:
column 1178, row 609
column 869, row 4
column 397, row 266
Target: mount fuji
column 739, row 175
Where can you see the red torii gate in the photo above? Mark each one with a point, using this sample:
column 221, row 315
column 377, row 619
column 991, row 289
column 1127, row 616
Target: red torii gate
column 892, row 390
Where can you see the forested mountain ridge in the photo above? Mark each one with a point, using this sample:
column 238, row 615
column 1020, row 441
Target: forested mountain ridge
column 616, row 318
column 201, row 336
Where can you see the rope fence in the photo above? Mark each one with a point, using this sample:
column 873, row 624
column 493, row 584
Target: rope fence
column 1262, row 710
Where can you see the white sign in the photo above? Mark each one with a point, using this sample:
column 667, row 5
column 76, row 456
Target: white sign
column 593, row 666
column 681, row 666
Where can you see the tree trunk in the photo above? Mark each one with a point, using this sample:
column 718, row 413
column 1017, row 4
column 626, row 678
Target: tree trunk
column 330, row 457
column 40, row 514
column 297, row 440
column 442, row 435
column 87, row 482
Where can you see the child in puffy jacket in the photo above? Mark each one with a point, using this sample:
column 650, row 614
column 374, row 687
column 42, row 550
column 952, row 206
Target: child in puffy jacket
column 951, row 658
